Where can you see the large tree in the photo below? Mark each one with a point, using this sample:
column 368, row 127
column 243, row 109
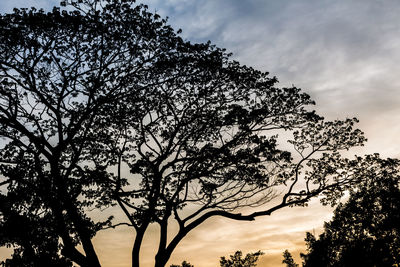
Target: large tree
column 107, row 87
column 57, row 71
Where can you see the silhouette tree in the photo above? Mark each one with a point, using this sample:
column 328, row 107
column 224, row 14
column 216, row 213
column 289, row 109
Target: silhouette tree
column 208, row 150
column 87, row 94
column 184, row 264
column 288, row 259
column 236, row 260
column 58, row 71
column 35, row 236
column 365, row 230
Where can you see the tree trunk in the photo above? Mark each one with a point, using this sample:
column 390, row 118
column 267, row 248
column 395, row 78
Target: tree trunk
column 161, row 259
column 137, row 244
column 84, row 235
column 62, row 196
column 167, row 252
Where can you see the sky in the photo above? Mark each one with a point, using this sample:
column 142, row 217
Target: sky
column 345, row 54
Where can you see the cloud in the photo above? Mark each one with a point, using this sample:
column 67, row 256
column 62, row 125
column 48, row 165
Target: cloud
column 344, row 53
column 296, row 40
column 6, row 6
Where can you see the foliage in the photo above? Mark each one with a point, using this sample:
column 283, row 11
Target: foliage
column 236, row 260
column 184, row 264
column 87, row 94
column 57, row 72
column 288, row 259
column 37, row 240
column 365, row 230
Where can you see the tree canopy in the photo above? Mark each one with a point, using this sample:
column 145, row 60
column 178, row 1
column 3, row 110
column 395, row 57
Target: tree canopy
column 288, row 259
column 103, row 104
column 365, row 230
column 184, row 264
column 237, row 260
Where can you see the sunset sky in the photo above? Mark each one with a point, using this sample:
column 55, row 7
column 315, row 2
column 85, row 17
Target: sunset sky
column 345, row 54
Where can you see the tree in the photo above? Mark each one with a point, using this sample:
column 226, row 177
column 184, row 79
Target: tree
column 184, row 264
column 209, row 150
column 365, row 230
column 236, row 260
column 288, row 259
column 88, row 93
column 37, row 239
column 57, row 72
